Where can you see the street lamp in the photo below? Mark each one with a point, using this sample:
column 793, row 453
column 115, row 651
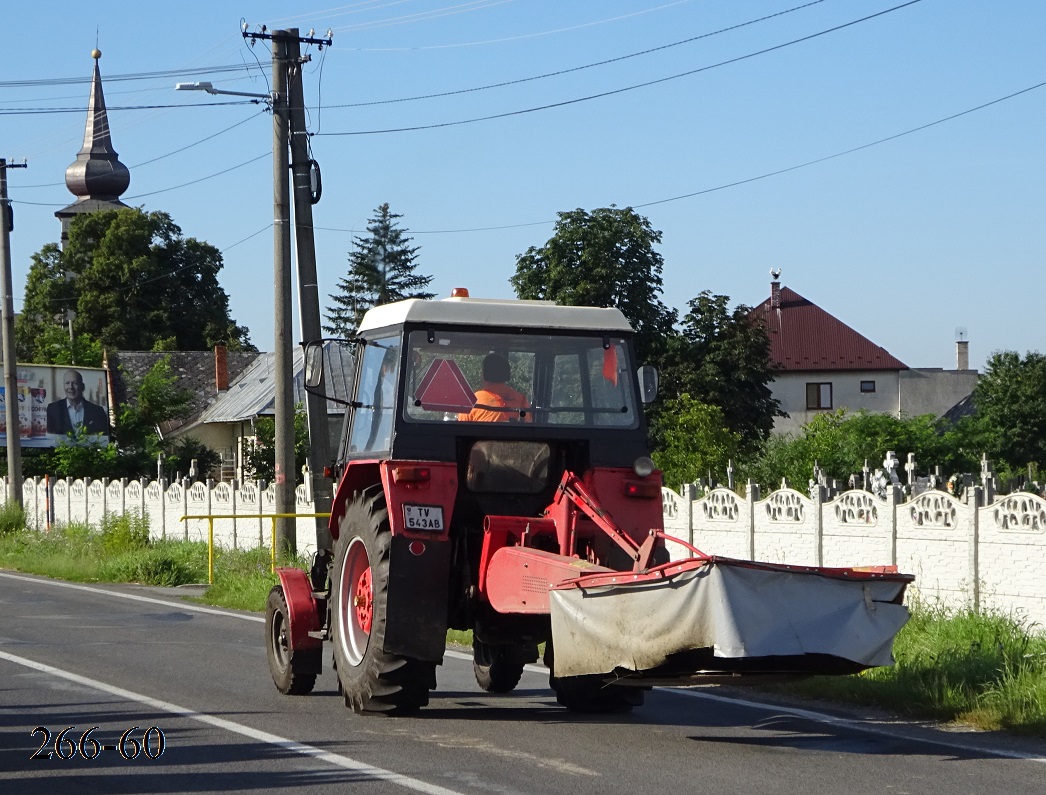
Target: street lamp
column 283, row 356
column 204, row 85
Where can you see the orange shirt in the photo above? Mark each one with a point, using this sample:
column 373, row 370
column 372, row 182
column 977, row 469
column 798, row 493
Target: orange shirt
column 500, row 395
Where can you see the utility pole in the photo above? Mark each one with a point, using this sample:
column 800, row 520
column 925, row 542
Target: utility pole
column 281, row 253
column 308, row 288
column 288, row 114
column 7, row 315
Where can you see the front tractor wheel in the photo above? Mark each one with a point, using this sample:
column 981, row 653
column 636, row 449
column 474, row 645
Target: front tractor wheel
column 496, row 670
column 293, row 672
column 371, row 680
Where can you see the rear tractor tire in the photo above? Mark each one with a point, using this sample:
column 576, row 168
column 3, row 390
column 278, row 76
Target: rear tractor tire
column 370, row 679
column 495, row 669
column 293, row 672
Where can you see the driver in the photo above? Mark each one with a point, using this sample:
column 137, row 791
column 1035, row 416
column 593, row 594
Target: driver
column 496, row 396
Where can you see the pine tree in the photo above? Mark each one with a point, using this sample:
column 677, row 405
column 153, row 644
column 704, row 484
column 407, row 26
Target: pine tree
column 381, row 270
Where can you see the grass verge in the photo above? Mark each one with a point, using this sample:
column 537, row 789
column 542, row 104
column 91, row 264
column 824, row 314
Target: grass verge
column 983, row 669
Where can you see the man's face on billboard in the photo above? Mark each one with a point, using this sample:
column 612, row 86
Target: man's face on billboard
column 74, row 386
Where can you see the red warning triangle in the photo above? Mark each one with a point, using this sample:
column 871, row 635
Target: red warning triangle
column 445, row 388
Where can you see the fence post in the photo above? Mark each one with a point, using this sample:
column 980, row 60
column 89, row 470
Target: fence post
column 689, row 492
column 975, row 547
column 235, row 488
column 261, row 509
column 87, row 501
column 163, row 508
column 185, row 508
column 752, row 495
column 818, row 494
column 68, row 499
column 893, row 497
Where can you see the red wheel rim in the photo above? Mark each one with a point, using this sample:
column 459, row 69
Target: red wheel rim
column 363, row 601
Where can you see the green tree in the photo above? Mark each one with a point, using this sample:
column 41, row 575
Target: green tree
column 157, row 399
column 382, row 269
column 695, row 441
column 841, row 443
column 723, row 359
column 134, row 283
column 1010, row 401
column 259, row 454
column 602, row 258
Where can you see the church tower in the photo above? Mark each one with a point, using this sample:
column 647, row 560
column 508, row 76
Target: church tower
column 97, row 177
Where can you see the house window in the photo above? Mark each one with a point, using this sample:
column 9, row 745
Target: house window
column 868, row 386
column 819, row 396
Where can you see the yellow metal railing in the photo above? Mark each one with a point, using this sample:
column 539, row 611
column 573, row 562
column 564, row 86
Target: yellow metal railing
column 210, row 517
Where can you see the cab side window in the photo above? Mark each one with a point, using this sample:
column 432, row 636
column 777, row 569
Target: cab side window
column 379, row 373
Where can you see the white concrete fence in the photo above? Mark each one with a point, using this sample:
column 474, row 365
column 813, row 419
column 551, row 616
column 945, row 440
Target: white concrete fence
column 65, row 501
column 962, row 552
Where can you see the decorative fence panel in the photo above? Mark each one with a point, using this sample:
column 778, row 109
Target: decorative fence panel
column 65, row 501
column 962, row 553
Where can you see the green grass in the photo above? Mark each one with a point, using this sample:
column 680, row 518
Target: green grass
column 983, row 669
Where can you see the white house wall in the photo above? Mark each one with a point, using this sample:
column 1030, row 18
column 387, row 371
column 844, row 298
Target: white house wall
column 790, row 389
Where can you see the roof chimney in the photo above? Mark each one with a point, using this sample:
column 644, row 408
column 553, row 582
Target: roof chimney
column 221, row 368
column 962, row 354
column 775, row 288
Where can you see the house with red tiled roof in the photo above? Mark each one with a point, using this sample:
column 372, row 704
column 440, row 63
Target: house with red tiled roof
column 823, row 365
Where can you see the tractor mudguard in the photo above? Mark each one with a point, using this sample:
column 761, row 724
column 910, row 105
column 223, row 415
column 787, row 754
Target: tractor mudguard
column 302, row 610
column 419, row 584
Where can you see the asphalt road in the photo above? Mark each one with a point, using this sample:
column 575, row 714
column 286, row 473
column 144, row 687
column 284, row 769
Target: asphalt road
column 142, row 665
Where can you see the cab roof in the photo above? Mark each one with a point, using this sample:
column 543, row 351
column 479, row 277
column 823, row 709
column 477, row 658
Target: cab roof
column 495, row 312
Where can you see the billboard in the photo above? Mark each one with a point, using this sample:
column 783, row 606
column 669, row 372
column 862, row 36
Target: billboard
column 54, row 402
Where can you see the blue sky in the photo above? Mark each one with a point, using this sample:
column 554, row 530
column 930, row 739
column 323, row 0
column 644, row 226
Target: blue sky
column 906, row 241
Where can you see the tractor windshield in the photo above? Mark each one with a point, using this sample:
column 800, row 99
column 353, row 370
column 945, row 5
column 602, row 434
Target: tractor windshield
column 544, row 379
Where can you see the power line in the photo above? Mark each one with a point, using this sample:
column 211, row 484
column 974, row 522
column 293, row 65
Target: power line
column 747, row 180
column 160, row 157
column 615, row 91
column 850, row 151
column 164, row 190
column 579, row 68
column 202, row 179
column 47, row 111
column 63, row 81
column 554, row 31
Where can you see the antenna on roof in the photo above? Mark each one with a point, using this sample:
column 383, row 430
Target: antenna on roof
column 961, row 333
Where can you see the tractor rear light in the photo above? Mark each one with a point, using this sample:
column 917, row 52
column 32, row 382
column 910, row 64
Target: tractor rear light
column 409, row 474
column 642, row 489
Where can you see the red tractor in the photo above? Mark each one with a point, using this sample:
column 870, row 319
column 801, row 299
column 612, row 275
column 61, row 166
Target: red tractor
column 493, row 475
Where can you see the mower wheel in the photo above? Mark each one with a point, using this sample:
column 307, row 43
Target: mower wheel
column 495, row 670
column 370, row 679
column 591, row 694
column 293, row 672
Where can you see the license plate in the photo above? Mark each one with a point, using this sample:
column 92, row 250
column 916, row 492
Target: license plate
column 423, row 517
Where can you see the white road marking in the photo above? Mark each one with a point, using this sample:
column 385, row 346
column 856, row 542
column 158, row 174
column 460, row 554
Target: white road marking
column 246, row 731
column 818, row 717
column 136, row 597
